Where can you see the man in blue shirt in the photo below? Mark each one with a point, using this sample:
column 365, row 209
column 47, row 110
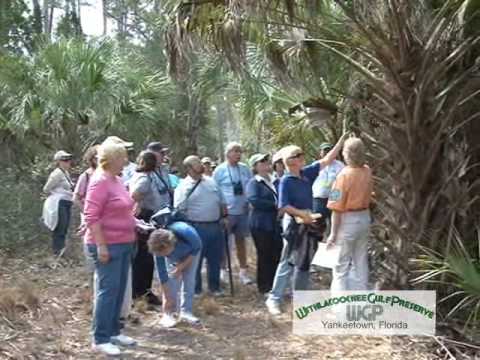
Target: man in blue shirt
column 232, row 178
column 179, row 246
column 296, row 201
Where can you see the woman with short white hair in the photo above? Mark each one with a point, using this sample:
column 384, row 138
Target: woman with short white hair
column 350, row 201
column 109, row 237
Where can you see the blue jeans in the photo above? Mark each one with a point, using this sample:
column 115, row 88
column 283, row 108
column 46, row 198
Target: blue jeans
column 60, row 232
column 111, row 283
column 320, row 206
column 185, row 286
column 282, row 276
column 300, row 279
column 212, row 249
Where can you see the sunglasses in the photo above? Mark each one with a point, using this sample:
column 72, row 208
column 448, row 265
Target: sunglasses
column 297, row 156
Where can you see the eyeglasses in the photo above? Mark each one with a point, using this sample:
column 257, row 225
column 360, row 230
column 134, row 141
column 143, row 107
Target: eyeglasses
column 297, row 156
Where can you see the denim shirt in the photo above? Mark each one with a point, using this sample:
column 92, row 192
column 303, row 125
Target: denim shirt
column 224, row 175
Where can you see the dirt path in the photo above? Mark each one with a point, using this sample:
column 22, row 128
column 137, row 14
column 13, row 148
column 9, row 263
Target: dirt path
column 46, row 316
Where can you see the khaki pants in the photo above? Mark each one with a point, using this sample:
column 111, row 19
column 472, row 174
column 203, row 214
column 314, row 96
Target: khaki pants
column 351, row 271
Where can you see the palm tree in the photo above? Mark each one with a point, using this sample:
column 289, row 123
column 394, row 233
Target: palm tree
column 400, row 71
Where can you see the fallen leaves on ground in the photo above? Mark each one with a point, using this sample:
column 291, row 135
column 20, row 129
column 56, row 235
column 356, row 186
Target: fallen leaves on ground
column 45, row 313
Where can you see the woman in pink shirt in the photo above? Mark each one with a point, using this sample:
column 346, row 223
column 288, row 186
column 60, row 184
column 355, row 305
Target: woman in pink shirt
column 108, row 214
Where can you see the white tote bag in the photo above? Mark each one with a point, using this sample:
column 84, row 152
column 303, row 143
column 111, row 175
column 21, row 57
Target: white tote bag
column 327, row 258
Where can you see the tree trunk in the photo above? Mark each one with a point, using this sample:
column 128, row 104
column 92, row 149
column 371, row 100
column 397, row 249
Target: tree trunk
column 75, row 17
column 220, row 107
column 122, row 19
column 37, row 17
column 104, row 13
column 156, row 7
column 50, row 21
column 79, row 11
column 45, row 15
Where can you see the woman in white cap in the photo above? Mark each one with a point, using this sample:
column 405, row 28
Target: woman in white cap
column 57, row 208
column 263, row 221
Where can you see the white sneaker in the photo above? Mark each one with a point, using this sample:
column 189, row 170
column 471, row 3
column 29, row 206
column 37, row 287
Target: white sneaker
column 167, row 321
column 244, row 279
column 273, row 307
column 223, row 275
column 189, row 318
column 107, row 349
column 218, row 293
column 123, row 340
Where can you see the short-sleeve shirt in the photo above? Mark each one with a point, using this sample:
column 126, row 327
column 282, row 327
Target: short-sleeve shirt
column 82, row 185
column 205, row 202
column 225, row 175
column 297, row 191
column 352, row 190
column 174, row 180
column 325, row 179
column 155, row 197
column 188, row 241
column 128, row 173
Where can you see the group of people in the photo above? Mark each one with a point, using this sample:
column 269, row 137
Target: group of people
column 285, row 206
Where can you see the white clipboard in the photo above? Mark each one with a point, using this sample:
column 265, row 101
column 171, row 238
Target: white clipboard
column 326, row 258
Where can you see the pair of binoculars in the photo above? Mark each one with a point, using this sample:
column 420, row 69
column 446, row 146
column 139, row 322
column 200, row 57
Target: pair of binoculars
column 237, row 188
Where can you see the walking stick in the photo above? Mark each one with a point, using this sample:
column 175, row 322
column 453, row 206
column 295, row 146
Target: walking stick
column 229, row 263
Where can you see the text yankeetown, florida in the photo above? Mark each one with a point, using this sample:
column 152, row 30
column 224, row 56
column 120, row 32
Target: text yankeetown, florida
column 366, row 313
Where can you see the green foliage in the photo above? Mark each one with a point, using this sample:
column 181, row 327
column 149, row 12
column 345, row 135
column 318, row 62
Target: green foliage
column 15, row 26
column 69, row 26
column 21, row 210
column 458, row 272
column 73, row 93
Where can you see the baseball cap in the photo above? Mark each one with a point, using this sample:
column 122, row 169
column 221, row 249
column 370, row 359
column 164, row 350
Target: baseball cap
column 62, row 155
column 157, row 146
column 254, row 159
column 290, row 151
column 207, row 160
column 277, row 157
column 325, row 146
column 117, row 140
